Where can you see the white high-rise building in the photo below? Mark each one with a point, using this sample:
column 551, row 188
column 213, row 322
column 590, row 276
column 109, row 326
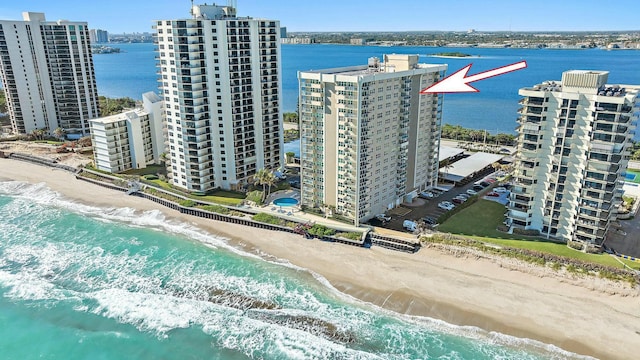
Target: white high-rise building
column 47, row 73
column 132, row 139
column 573, row 148
column 369, row 139
column 220, row 80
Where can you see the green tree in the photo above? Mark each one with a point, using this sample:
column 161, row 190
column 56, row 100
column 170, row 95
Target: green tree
column 289, row 156
column 290, row 117
column 270, row 180
column 38, row 134
column 266, row 178
column 59, row 133
column 110, row 106
column 446, row 165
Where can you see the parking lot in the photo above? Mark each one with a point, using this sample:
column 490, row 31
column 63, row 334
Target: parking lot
column 421, row 208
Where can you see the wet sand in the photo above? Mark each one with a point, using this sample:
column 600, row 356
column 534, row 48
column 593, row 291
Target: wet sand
column 588, row 316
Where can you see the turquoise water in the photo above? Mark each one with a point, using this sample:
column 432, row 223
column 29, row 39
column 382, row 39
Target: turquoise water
column 285, row 202
column 630, row 176
column 493, row 109
column 80, row 282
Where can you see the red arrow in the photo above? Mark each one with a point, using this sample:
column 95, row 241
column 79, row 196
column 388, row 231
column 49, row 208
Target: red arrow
column 458, row 82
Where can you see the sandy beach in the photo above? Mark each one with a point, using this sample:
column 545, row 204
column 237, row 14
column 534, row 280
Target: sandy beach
column 588, row 316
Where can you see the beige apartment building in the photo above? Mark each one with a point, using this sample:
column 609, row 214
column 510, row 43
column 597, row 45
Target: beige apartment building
column 132, row 139
column 369, row 139
column 573, row 148
column 46, row 69
column 219, row 77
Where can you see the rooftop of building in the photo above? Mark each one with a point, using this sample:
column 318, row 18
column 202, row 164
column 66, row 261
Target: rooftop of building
column 462, row 169
column 588, row 81
column 447, row 152
column 393, row 63
column 125, row 115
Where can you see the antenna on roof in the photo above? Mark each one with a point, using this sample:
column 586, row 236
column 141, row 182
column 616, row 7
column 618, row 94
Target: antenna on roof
column 191, row 10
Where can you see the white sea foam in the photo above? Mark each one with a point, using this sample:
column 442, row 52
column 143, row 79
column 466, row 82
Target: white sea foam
column 122, row 288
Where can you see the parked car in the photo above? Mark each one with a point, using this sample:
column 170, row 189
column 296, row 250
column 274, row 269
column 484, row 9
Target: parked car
column 471, row 192
column 478, row 187
column 410, row 225
column 500, row 189
column 457, row 200
column 429, row 220
column 484, row 184
column 426, row 195
column 383, row 218
column 466, row 196
column 490, row 181
column 493, row 193
column 445, row 205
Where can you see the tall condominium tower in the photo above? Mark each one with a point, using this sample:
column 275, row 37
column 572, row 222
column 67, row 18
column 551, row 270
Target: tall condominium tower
column 573, row 149
column 47, row 73
column 220, row 80
column 369, row 140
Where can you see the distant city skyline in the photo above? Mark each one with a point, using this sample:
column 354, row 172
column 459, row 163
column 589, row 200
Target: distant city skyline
column 119, row 16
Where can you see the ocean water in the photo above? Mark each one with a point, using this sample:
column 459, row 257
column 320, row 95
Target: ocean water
column 81, row 282
column 494, row 108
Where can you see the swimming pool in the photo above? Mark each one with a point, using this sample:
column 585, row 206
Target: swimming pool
column 630, row 176
column 286, row 201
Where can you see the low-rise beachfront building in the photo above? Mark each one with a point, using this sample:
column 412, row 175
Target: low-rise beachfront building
column 132, row 139
column 46, row 68
column 369, row 139
column 573, row 148
column 219, row 75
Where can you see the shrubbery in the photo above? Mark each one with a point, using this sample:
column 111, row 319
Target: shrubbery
column 321, row 230
column 529, row 232
column 556, row 262
column 267, row 219
column 216, row 209
column 356, row 236
column 255, row 196
column 187, row 203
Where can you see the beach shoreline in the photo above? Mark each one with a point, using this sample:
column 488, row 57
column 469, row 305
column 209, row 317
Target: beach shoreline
column 497, row 295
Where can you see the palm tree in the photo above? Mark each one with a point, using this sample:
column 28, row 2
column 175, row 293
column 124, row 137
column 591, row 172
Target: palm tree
column 38, row 134
column 59, row 133
column 260, row 178
column 270, row 180
column 496, row 166
column 446, row 165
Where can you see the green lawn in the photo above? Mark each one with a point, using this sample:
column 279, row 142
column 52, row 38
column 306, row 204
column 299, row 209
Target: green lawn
column 560, row 250
column 481, row 219
column 149, row 170
column 162, row 184
column 222, row 197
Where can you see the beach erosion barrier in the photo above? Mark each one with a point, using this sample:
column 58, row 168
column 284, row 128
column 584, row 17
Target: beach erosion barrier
column 368, row 239
column 40, row 161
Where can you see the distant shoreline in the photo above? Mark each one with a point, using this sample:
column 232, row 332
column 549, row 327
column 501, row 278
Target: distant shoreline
column 453, row 57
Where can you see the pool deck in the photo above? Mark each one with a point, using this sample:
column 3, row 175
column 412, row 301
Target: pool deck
column 294, row 212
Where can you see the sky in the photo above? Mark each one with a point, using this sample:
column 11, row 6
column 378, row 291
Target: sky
column 118, row 16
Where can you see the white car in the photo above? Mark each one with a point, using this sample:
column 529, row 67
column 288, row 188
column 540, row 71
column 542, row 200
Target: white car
column 471, row 192
column 383, row 218
column 426, row 195
column 410, row 225
column 500, row 189
column 445, row 205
